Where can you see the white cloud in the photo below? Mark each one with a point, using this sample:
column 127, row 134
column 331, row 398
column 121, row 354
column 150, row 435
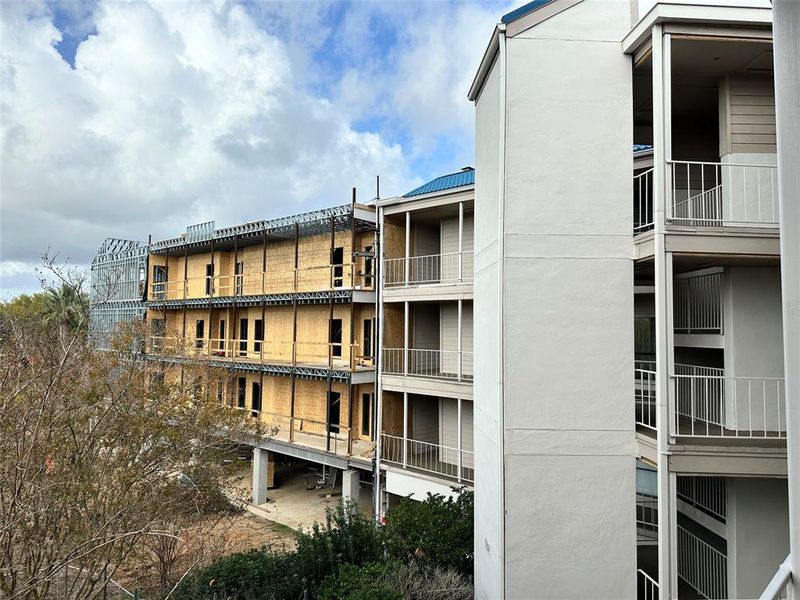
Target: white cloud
column 180, row 112
column 174, row 113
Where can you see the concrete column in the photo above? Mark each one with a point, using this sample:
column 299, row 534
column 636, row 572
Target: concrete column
column 351, row 485
column 263, row 474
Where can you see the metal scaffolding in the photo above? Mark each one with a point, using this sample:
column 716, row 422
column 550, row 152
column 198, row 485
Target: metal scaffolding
column 117, row 291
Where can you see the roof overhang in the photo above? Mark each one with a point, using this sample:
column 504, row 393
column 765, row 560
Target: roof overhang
column 522, row 23
column 486, row 62
column 697, row 14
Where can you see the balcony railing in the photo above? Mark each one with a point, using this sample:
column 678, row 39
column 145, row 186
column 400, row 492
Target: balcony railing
column 705, row 493
column 646, row 586
column 643, row 201
column 707, row 194
column 644, row 394
column 702, row 566
column 711, row 405
column 258, row 351
column 439, row 364
column 646, row 519
column 698, row 302
column 453, row 268
column 425, row 456
column 279, row 279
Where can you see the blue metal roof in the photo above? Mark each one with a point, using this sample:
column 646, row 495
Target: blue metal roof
column 641, row 147
column 524, row 10
column 464, row 177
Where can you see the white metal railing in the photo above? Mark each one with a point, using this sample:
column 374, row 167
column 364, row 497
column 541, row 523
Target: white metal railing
column 441, row 364
column 429, row 457
column 706, row 493
column 451, row 268
column 643, row 201
column 645, row 396
column 646, row 519
column 702, row 566
column 712, row 405
column 646, row 586
column 778, row 586
column 708, row 194
column 698, row 302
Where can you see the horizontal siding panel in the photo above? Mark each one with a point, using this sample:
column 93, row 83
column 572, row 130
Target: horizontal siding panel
column 752, row 138
column 754, row 148
column 744, row 119
column 753, row 110
column 755, row 128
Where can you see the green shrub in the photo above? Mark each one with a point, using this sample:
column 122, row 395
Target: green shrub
column 346, row 537
column 392, row 580
column 364, row 582
column 436, row 533
column 254, row 575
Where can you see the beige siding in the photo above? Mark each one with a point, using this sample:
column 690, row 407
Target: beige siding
column 747, row 115
column 449, row 242
column 448, row 429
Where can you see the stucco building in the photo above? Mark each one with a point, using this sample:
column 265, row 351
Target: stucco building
column 630, row 330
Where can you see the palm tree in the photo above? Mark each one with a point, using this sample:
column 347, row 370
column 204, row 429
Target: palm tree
column 66, row 306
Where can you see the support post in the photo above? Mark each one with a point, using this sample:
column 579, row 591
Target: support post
column 407, row 260
column 405, row 429
column 786, row 32
column 261, row 475
column 351, row 490
column 405, row 337
column 460, row 443
column 460, row 241
column 663, row 293
column 460, row 337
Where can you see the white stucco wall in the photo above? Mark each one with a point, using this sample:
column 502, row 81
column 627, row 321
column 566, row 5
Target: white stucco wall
column 757, row 533
column 567, row 315
column 489, row 521
column 753, row 346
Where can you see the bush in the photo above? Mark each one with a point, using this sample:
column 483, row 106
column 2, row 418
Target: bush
column 346, row 538
column 435, row 533
column 254, row 575
column 393, row 580
column 364, row 582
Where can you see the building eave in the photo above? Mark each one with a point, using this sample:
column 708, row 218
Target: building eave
column 486, row 63
column 725, row 16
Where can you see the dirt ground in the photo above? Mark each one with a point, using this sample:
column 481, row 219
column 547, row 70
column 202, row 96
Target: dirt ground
column 296, row 501
column 205, row 541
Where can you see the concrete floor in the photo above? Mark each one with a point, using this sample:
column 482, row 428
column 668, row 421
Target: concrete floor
column 291, row 502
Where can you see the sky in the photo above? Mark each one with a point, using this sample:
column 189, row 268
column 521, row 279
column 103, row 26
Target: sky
column 136, row 119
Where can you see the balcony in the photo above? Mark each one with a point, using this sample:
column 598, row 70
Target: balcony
column 705, row 194
column 709, row 404
column 435, row 276
column 300, row 353
column 454, row 463
column 450, row 365
column 269, row 282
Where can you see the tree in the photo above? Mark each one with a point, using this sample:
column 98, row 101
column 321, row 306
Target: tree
column 67, row 305
column 98, row 449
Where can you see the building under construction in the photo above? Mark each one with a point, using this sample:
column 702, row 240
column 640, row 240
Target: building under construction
column 117, row 290
column 288, row 307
